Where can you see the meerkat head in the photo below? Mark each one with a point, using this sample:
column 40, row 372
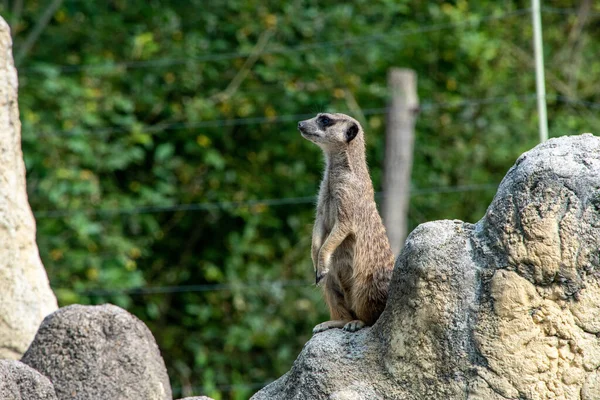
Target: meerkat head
column 330, row 131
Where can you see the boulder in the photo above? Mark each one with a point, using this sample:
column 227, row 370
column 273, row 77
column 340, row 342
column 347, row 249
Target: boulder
column 99, row 352
column 507, row 308
column 25, row 295
column 20, row 382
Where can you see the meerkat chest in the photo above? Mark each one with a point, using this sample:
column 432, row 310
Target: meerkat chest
column 332, row 202
column 335, row 209
column 328, row 210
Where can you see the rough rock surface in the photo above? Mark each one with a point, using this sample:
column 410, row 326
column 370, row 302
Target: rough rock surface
column 20, row 382
column 25, row 296
column 99, row 352
column 508, row 308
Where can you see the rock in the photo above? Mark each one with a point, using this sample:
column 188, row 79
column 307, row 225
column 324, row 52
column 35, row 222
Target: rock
column 25, row 295
column 507, row 308
column 99, row 352
column 20, row 382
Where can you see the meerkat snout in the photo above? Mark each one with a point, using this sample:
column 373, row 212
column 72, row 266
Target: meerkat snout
column 307, row 129
column 329, row 131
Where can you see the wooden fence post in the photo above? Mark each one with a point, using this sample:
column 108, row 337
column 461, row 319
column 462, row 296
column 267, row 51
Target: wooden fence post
column 401, row 117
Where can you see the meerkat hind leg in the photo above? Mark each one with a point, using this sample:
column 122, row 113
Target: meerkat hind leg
column 354, row 325
column 323, row 326
column 340, row 315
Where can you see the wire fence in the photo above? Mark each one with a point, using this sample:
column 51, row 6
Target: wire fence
column 425, row 107
column 275, row 202
column 351, row 41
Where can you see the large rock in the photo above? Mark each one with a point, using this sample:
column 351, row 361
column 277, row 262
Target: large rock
column 25, row 296
column 20, row 382
column 99, row 352
column 508, row 308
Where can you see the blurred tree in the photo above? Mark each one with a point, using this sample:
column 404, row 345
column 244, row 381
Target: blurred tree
column 130, row 107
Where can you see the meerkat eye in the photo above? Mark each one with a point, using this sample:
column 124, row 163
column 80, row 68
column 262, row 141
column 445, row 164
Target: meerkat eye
column 324, row 120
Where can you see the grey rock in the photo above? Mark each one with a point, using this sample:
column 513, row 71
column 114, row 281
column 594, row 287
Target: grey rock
column 25, row 295
column 99, row 352
column 20, row 382
column 506, row 308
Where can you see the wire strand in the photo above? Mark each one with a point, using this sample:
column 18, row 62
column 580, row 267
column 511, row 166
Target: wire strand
column 566, row 11
column 189, row 288
column 584, row 103
column 238, row 204
column 353, row 41
column 202, row 124
column 426, row 107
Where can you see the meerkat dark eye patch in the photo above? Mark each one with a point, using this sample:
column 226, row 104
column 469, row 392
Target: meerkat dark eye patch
column 351, row 132
column 325, row 121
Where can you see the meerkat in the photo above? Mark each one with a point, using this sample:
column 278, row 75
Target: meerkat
column 351, row 253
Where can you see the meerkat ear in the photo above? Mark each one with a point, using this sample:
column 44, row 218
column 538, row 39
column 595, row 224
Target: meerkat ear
column 351, row 132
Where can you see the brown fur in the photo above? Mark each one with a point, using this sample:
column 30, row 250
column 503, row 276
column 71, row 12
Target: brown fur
column 350, row 249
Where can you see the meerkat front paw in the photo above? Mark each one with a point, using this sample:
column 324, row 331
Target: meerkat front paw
column 322, row 270
column 319, row 275
column 354, row 326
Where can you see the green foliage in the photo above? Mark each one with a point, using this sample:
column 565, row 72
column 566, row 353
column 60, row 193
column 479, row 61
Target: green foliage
column 117, row 99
